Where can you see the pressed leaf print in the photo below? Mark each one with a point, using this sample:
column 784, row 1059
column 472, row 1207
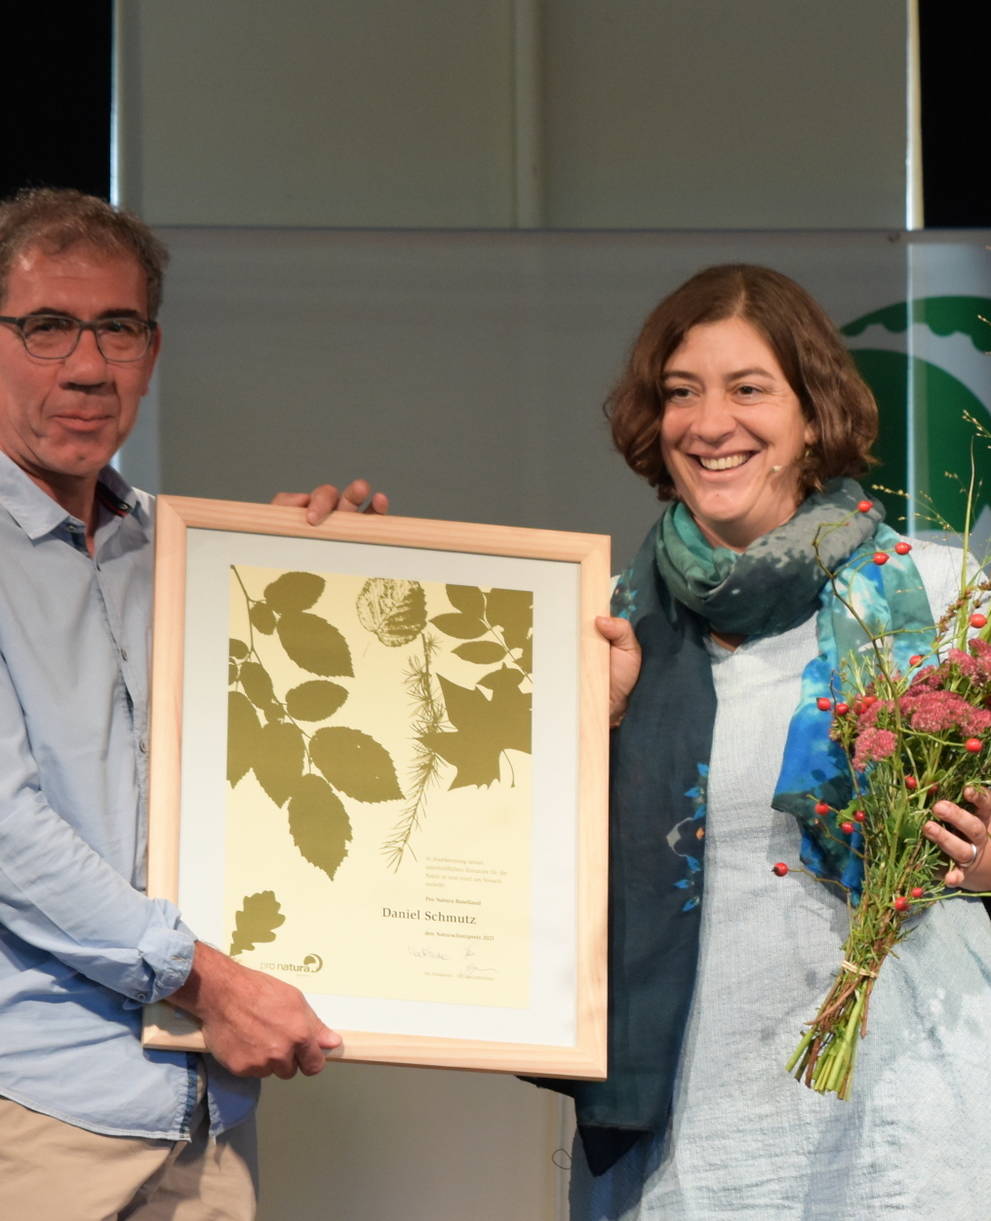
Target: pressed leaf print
column 319, row 824
column 256, row 921
column 295, row 757
column 315, row 700
column 355, row 763
column 464, row 627
column 242, row 730
column 468, row 599
column 396, row 611
column 314, row 644
column 483, row 729
column 294, row 591
column 278, row 759
column 380, row 783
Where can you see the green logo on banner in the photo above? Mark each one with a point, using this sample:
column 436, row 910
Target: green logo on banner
column 924, row 440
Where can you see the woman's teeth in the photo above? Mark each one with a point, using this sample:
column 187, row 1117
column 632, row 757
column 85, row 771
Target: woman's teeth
column 723, row 464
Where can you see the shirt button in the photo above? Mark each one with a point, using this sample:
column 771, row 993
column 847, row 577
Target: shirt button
column 123, row 654
column 143, row 746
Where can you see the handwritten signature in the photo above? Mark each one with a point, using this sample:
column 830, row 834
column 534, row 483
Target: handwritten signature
column 467, row 967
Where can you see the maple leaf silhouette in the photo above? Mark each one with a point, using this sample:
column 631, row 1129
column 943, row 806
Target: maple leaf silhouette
column 483, row 729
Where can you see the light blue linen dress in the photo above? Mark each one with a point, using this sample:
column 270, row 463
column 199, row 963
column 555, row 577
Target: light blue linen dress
column 746, row 1140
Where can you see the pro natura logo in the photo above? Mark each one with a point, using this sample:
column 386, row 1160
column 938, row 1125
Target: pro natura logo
column 309, row 966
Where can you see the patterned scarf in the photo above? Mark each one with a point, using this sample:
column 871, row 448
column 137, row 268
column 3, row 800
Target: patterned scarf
column 676, row 589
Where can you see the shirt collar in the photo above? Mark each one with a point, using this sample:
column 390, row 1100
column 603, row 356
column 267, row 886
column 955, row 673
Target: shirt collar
column 38, row 514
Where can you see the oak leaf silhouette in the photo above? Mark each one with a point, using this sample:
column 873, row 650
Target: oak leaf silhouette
column 259, row 917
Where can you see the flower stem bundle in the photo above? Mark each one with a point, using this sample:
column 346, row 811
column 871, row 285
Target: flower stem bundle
column 911, row 739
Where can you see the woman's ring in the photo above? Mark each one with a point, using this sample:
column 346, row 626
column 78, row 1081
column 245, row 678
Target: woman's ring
column 973, row 858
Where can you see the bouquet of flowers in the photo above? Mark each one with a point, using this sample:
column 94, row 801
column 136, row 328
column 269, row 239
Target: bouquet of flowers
column 911, row 738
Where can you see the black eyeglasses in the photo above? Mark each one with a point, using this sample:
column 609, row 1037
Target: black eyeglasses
column 56, row 336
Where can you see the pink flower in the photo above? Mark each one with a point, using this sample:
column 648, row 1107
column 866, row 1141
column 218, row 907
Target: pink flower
column 936, row 711
column 868, row 718
column 873, row 744
column 981, row 650
column 928, row 679
column 964, row 663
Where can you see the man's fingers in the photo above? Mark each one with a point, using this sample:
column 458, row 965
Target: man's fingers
column 326, row 499
column 322, row 501
column 354, row 495
column 328, row 1039
column 379, row 504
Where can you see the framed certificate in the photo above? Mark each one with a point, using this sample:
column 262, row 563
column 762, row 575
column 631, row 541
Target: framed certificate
column 379, row 772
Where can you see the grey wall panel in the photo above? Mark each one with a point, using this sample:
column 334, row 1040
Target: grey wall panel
column 700, row 114
column 464, row 373
column 691, row 114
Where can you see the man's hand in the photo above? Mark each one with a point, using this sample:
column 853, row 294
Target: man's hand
column 253, row 1024
column 322, row 501
column 624, row 663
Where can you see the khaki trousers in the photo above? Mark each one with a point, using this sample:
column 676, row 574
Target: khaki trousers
column 52, row 1171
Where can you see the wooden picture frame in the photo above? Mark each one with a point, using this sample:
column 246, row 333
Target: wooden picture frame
column 379, row 770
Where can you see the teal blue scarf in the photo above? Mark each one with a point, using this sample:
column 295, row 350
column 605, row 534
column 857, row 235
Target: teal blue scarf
column 677, row 588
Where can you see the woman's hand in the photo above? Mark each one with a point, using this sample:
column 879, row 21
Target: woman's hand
column 965, row 841
column 324, row 500
column 624, row 663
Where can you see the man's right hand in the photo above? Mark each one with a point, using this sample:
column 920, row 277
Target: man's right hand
column 254, row 1024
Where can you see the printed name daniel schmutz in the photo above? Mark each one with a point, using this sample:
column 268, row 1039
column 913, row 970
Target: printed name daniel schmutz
column 417, row 913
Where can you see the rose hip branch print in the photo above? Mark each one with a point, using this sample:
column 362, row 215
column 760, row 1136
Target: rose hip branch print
column 305, row 770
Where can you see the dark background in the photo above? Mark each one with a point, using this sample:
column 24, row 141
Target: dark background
column 956, row 101
column 58, row 72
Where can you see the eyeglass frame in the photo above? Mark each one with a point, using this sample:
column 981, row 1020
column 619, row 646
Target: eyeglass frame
column 149, row 323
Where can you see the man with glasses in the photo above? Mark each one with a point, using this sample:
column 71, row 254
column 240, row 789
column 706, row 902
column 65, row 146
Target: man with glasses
column 91, row 1125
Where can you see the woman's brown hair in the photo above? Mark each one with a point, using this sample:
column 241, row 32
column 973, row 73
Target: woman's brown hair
column 819, row 369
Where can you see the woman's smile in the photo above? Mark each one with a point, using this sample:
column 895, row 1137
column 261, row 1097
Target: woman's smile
column 732, row 433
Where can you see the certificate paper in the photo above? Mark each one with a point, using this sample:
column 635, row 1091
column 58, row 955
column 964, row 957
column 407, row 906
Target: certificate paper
column 416, row 834
column 387, row 786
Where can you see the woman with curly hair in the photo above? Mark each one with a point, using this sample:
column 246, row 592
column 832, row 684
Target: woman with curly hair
column 741, row 405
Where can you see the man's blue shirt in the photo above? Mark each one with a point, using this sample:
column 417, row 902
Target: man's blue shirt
column 81, row 947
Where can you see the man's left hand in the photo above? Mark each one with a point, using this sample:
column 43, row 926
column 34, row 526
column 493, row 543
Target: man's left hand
column 357, row 497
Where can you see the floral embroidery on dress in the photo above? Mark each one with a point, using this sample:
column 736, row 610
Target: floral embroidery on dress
column 624, row 598
column 685, row 840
